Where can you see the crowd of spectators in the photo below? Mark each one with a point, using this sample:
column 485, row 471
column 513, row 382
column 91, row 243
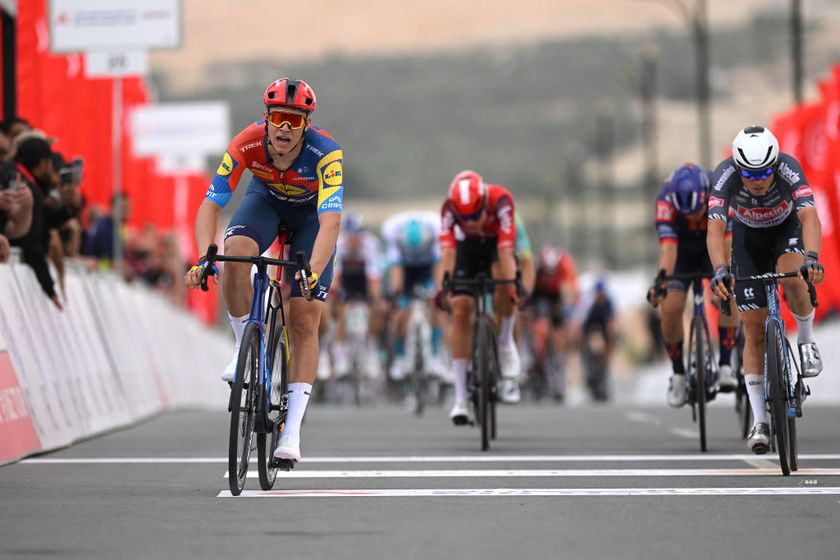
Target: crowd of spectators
column 44, row 213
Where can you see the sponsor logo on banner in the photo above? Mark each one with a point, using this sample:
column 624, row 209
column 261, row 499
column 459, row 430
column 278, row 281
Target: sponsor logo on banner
column 17, row 433
column 764, row 217
column 802, row 191
column 664, row 211
column 788, row 174
column 333, row 174
column 226, row 167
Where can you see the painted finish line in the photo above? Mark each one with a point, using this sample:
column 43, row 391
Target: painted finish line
column 421, row 459
column 523, row 492
column 525, row 473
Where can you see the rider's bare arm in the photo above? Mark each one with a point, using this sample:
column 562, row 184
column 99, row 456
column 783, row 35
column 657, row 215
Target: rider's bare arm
column 811, row 229
column 206, row 222
column 330, row 224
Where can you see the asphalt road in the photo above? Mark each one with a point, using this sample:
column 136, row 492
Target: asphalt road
column 579, row 482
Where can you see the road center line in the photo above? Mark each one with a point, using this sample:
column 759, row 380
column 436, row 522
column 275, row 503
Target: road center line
column 525, row 492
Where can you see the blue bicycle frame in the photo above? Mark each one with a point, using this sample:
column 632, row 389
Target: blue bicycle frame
column 774, row 315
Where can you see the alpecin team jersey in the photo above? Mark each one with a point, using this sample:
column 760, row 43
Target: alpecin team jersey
column 788, row 192
column 499, row 224
column 315, row 179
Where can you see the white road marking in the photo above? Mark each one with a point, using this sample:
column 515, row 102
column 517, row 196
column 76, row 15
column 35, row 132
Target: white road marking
column 525, row 492
column 759, row 462
column 643, row 418
column 544, row 473
column 429, row 459
column 685, row 433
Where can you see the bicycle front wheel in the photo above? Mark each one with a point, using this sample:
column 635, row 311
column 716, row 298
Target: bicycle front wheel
column 267, row 442
column 700, row 363
column 774, row 353
column 485, row 334
column 243, row 408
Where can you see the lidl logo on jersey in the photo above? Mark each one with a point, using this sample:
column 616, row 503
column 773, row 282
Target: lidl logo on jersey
column 333, row 174
column 227, row 166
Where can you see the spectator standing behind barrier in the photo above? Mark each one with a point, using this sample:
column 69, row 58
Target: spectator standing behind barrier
column 100, row 239
column 15, row 208
column 34, row 162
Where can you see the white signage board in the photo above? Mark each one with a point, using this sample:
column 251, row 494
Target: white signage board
column 175, row 164
column 180, row 128
column 116, row 64
column 86, row 25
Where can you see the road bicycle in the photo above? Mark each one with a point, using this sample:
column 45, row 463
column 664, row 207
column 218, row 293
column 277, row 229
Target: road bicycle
column 258, row 400
column 484, row 372
column 784, row 390
column 702, row 373
column 418, row 349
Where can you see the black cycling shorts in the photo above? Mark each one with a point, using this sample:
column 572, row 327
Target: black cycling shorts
column 692, row 258
column 472, row 258
column 549, row 305
column 755, row 251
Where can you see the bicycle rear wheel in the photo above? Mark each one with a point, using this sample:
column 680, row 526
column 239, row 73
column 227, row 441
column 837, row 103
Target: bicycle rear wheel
column 700, row 359
column 267, row 442
column 774, row 353
column 243, row 408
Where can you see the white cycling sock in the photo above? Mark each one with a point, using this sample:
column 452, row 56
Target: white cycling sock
column 755, row 390
column 298, row 399
column 506, row 330
column 459, row 369
column 238, row 326
column 804, row 328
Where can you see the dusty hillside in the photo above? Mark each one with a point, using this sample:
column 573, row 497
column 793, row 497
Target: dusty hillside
column 229, row 30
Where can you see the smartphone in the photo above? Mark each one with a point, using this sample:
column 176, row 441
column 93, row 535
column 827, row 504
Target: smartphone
column 67, row 176
column 77, row 166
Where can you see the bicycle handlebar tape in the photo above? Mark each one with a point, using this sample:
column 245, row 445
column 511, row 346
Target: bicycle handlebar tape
column 812, row 290
column 306, row 271
column 212, row 251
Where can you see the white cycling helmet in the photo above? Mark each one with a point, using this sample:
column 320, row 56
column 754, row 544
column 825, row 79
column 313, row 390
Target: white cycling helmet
column 755, row 147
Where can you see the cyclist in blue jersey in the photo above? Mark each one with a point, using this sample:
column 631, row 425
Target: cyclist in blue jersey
column 681, row 223
column 297, row 183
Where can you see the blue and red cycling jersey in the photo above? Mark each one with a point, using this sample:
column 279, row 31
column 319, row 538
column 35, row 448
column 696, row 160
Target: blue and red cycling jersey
column 315, row 179
column 673, row 227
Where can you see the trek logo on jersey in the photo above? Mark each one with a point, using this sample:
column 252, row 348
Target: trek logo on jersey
column 664, row 211
column 247, row 147
column 227, row 166
column 765, row 216
column 788, row 174
column 333, row 174
column 506, row 219
column 804, row 190
column 715, row 201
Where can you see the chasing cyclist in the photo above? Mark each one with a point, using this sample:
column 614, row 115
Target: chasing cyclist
column 358, row 275
column 413, row 255
column 776, row 229
column 477, row 235
column 297, row 183
column 682, row 222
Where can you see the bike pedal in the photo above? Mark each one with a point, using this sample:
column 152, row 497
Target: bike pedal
column 282, row 464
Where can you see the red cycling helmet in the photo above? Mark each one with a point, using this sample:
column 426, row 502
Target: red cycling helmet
column 286, row 92
column 468, row 195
